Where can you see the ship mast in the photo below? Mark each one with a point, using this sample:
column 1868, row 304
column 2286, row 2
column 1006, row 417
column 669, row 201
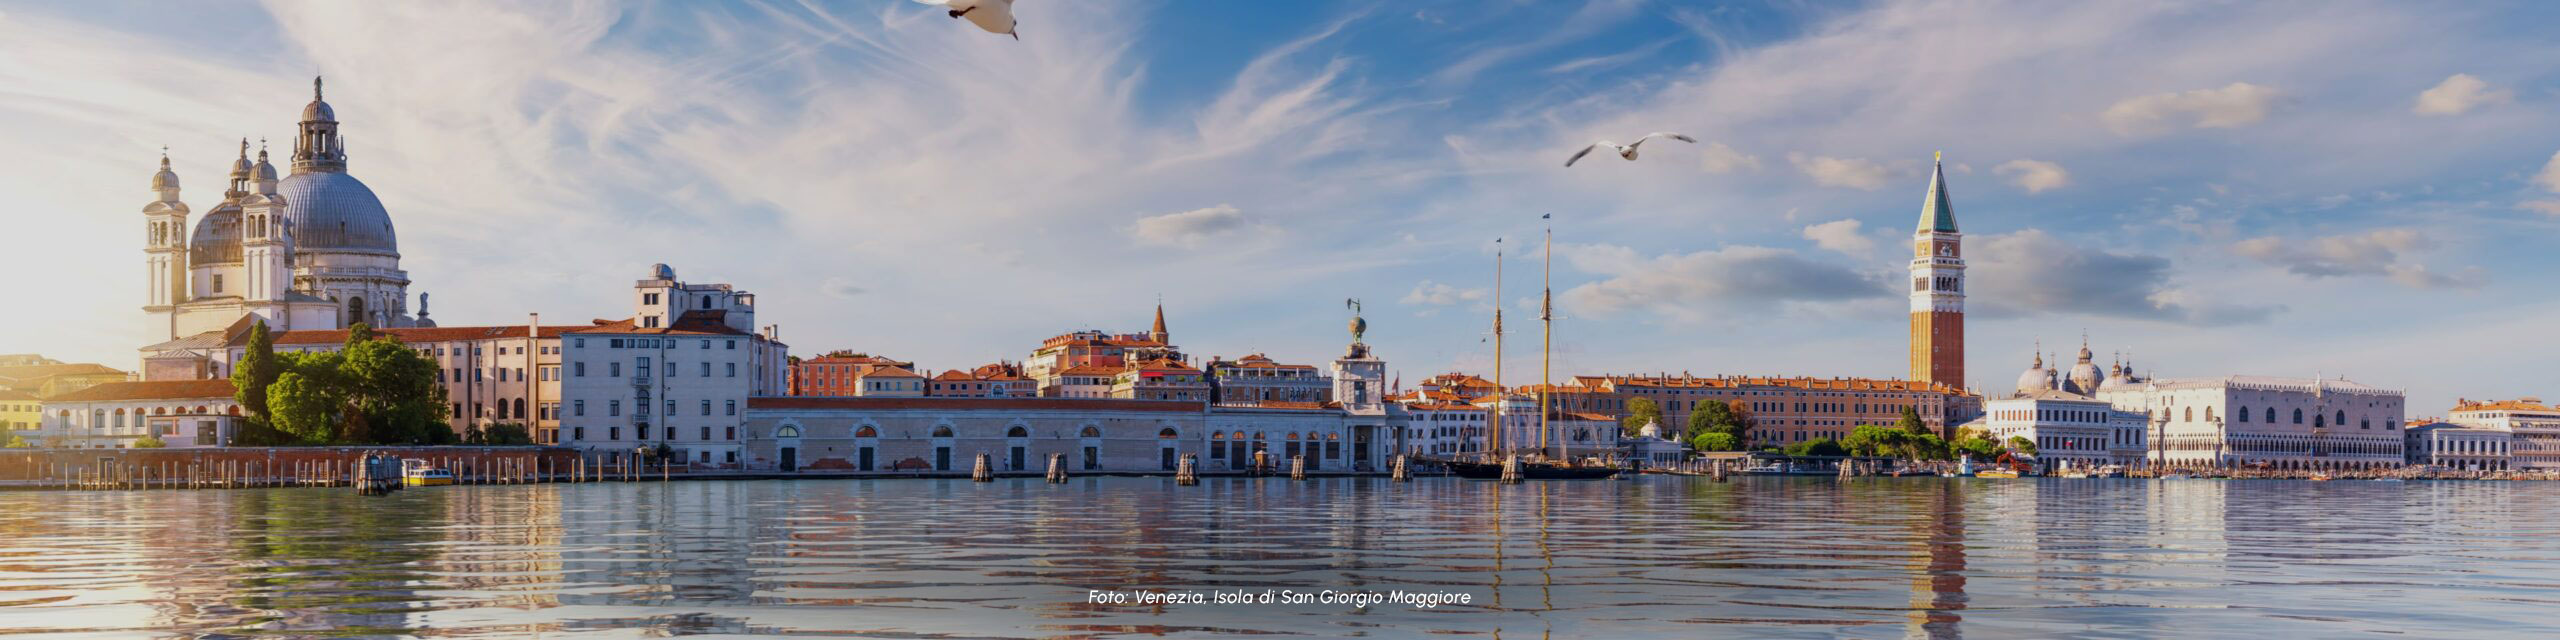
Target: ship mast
column 1547, row 333
column 1502, row 394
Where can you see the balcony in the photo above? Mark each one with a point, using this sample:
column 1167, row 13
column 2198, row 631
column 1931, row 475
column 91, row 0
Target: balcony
column 639, row 381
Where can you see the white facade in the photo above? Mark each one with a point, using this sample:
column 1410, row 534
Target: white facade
column 683, row 384
column 115, row 415
column 2071, row 428
column 2457, row 447
column 2533, row 427
column 2284, row 423
column 1440, row 429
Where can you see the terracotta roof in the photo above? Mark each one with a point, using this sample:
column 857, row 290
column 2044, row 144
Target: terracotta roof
column 2505, row 405
column 1161, row 364
column 956, row 375
column 1444, row 406
column 890, row 372
column 950, row 403
column 414, row 335
column 691, row 323
column 856, row 359
column 1593, row 417
column 150, row 390
column 23, row 372
column 1091, row 370
column 1809, row 383
column 6, row 394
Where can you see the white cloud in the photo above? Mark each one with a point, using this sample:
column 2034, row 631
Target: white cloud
column 1191, row 228
column 1442, row 294
column 2545, row 206
column 2459, row 94
column 1720, row 158
column 2030, row 272
column 2373, row 253
column 2237, row 104
column 2035, row 176
column 2550, row 176
column 1843, row 236
column 1854, row 173
column 1696, row 286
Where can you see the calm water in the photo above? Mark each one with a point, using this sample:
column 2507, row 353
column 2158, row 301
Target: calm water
column 1653, row 557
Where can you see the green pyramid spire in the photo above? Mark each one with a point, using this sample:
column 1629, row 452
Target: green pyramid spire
column 1935, row 213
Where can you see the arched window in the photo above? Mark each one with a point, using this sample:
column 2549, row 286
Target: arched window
column 1090, row 432
column 2271, row 415
column 355, row 310
column 941, row 432
column 519, row 408
column 1017, row 432
column 2342, row 418
column 1168, row 433
column 2297, row 416
column 866, row 432
column 2191, row 414
column 787, row 431
column 1215, row 435
column 2243, row 412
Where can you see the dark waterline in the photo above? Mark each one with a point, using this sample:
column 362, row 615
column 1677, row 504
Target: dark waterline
column 1651, row 557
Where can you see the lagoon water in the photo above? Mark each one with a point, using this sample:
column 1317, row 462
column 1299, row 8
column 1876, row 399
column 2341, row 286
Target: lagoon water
column 1647, row 557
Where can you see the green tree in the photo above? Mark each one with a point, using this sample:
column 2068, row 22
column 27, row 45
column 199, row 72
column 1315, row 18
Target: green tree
column 1979, row 448
column 1911, row 421
column 1640, row 410
column 506, row 434
column 1820, row 447
column 306, row 407
column 1718, row 417
column 392, row 395
column 16, row 442
column 1715, row 441
column 150, row 442
column 2021, row 444
column 1928, row 446
column 1869, row 440
column 257, row 369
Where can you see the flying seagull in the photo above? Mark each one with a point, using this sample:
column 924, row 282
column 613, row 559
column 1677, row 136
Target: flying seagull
column 995, row 16
column 1627, row 151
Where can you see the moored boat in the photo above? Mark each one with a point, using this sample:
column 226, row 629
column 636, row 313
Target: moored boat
column 420, row 473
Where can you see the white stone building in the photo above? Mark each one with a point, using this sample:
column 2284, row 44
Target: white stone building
column 313, row 249
column 2281, row 423
column 678, row 373
column 1440, row 429
column 2459, row 447
column 2055, row 410
column 115, row 415
column 2533, row 427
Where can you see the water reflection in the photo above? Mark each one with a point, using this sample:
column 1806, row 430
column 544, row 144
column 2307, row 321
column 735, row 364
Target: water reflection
column 1759, row 557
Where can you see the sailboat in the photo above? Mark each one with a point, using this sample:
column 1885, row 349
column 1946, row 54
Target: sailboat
column 1558, row 467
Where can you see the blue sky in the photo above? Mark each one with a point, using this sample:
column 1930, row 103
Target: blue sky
column 2349, row 189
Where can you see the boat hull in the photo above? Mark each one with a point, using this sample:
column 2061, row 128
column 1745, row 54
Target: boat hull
column 1528, row 471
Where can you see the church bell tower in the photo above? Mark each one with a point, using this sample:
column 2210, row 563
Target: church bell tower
column 165, row 249
column 1937, row 289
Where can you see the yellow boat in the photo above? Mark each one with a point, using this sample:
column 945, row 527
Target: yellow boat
column 419, row 473
column 1995, row 473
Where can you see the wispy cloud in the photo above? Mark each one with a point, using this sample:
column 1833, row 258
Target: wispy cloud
column 1191, row 228
column 1854, row 173
column 2381, row 252
column 2459, row 94
column 2035, row 176
column 2233, row 105
column 2033, row 272
column 1843, row 236
column 1698, row 285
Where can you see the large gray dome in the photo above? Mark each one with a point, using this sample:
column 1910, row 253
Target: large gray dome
column 333, row 211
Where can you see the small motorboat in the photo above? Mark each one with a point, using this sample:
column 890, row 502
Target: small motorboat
column 1995, row 473
column 420, row 473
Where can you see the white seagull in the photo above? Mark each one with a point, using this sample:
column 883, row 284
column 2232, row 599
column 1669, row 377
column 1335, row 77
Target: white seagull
column 1627, row 151
column 995, row 16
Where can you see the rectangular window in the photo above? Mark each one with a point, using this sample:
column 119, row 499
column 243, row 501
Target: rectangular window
column 578, row 433
column 613, row 408
column 706, row 345
column 615, row 369
column 733, row 344
column 581, row 369
column 706, row 433
column 579, row 408
column 733, row 370
column 731, row 433
column 733, row 407
column 706, row 367
column 706, row 410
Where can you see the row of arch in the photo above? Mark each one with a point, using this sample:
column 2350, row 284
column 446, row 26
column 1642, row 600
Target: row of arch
column 162, row 411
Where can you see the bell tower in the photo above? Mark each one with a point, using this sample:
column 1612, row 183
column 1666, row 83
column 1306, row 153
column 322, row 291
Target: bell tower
column 1937, row 288
column 164, row 249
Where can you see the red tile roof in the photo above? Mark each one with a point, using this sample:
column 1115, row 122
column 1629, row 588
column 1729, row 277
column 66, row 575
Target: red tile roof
column 691, row 323
column 23, row 372
column 890, row 372
column 150, row 390
column 956, row 375
column 414, row 335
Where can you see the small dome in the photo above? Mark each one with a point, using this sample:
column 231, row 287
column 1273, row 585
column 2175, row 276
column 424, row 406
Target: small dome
column 319, row 111
column 217, row 237
column 240, row 168
column 1651, row 429
column 662, row 272
column 2036, row 378
column 263, row 171
column 165, row 179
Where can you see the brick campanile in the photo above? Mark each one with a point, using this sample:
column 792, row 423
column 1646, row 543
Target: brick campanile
column 1937, row 289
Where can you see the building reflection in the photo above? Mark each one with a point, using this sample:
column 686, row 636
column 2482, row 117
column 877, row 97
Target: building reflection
column 1938, row 593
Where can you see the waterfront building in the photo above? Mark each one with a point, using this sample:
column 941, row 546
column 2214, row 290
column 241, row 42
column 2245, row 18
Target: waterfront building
column 677, row 374
column 1090, row 381
column 1584, row 434
column 2534, row 427
column 2276, row 422
column 1937, row 289
column 1256, row 379
column 2057, row 411
column 19, row 411
column 1437, row 428
column 1785, row 410
column 1651, row 445
column 2462, row 447
column 313, row 249
column 115, row 415
column 44, row 379
column 833, row 374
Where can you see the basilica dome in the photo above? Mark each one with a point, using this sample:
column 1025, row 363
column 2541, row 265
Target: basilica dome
column 2036, row 378
column 217, row 237
column 334, row 212
column 2085, row 375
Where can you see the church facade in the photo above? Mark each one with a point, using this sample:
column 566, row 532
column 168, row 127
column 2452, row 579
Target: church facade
column 312, row 249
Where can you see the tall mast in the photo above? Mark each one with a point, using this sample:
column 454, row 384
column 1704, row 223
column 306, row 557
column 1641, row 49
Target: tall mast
column 1502, row 394
column 1547, row 332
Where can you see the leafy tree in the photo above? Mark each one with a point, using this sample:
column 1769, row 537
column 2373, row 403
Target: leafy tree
column 1719, row 417
column 501, row 434
column 1869, row 440
column 392, row 395
column 2022, row 445
column 1640, row 410
column 306, row 407
column 16, row 442
column 1979, row 448
column 1821, row 447
column 150, row 442
column 1911, row 421
column 1928, row 446
column 257, row 369
column 1715, row 441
